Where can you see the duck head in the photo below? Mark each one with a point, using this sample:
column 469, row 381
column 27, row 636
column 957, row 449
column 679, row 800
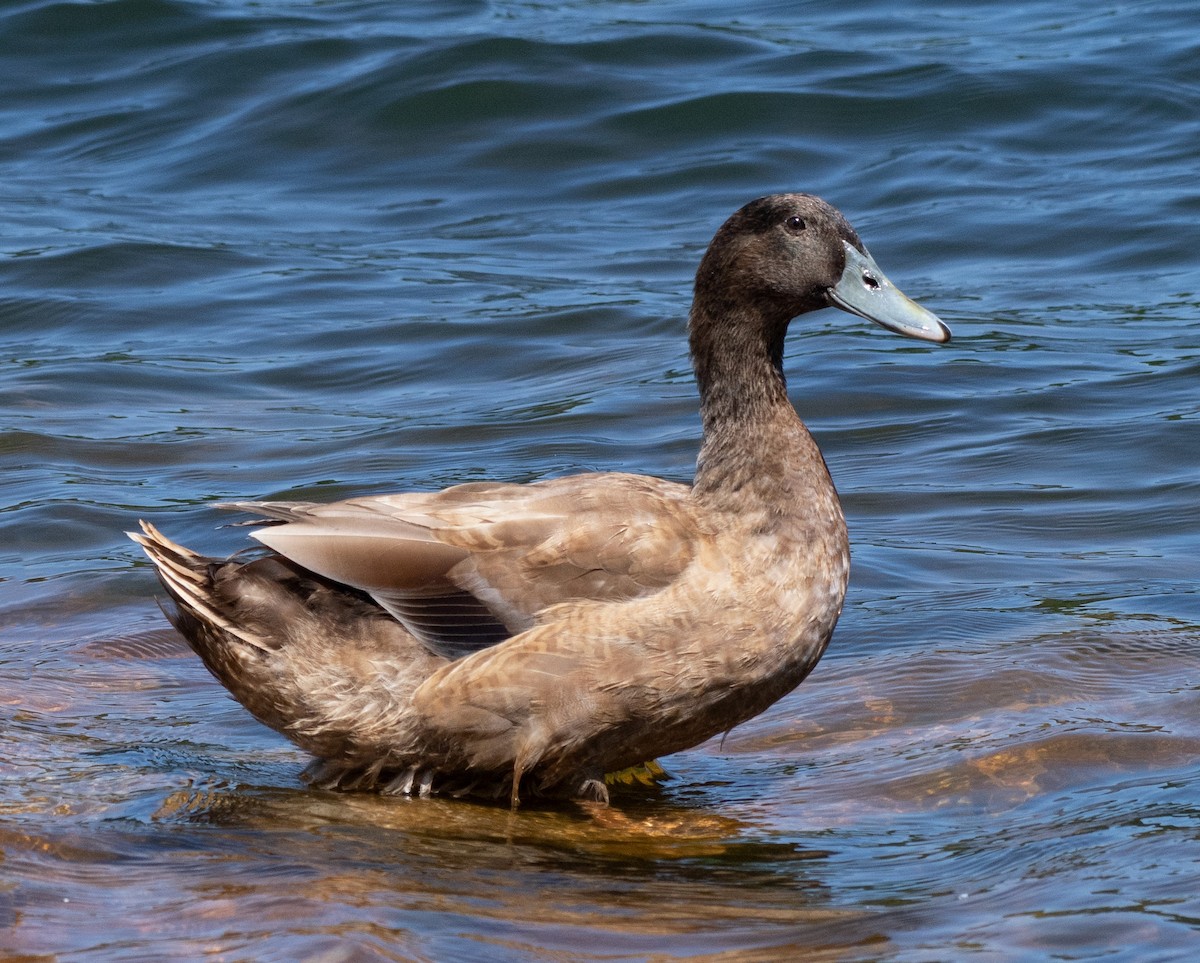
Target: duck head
column 787, row 254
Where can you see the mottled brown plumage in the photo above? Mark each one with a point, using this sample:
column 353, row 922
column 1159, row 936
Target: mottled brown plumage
column 499, row 639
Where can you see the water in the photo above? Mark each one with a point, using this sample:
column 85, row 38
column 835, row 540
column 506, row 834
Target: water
column 294, row 250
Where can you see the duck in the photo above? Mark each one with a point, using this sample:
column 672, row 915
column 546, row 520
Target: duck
column 503, row 640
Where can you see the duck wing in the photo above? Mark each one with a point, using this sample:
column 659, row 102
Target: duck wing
column 467, row 567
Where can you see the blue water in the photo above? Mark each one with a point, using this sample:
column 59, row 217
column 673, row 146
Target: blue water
column 310, row 250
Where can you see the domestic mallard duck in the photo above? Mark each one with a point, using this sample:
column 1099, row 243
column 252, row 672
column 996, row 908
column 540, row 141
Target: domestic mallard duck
column 500, row 639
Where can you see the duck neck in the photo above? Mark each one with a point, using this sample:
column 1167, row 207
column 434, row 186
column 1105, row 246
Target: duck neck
column 756, row 450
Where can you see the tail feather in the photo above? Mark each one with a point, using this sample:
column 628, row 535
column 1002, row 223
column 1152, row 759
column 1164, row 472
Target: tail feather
column 186, row 577
column 317, row 662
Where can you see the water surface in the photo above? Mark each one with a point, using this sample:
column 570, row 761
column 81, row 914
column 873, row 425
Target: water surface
column 306, row 251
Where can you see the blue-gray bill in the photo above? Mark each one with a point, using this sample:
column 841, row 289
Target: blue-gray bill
column 865, row 290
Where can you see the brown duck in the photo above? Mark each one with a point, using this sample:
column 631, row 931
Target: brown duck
column 496, row 639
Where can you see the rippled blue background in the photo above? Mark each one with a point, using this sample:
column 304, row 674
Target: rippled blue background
column 309, row 250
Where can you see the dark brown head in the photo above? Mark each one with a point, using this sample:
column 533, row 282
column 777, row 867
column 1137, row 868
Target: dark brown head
column 785, row 254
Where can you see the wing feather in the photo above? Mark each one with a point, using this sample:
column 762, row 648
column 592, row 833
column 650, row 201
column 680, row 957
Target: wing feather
column 467, row 567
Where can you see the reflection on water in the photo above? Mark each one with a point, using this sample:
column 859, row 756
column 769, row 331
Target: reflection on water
column 926, row 783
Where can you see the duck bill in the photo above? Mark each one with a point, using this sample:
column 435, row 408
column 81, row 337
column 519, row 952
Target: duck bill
column 865, row 290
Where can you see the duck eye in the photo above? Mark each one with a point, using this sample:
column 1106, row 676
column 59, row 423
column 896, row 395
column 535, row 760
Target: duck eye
column 795, row 224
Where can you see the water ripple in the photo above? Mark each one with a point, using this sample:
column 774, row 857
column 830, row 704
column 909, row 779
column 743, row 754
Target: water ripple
column 275, row 250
